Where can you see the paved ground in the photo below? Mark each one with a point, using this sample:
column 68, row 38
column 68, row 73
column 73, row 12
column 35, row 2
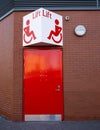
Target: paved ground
column 65, row 125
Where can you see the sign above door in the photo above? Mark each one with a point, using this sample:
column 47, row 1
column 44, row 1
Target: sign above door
column 42, row 26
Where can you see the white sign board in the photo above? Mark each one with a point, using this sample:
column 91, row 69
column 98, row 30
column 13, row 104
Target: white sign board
column 42, row 26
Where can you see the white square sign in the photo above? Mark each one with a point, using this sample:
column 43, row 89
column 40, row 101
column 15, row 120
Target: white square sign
column 42, row 26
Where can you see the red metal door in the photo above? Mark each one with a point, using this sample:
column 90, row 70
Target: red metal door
column 43, row 89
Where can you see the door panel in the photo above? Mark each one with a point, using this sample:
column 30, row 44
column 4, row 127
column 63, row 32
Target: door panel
column 43, row 89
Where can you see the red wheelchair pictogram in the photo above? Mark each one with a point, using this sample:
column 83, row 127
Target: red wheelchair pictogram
column 55, row 33
column 28, row 35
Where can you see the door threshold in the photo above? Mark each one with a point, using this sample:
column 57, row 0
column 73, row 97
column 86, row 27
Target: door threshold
column 55, row 117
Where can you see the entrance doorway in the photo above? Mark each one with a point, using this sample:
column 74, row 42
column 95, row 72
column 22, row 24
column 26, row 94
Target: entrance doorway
column 43, row 87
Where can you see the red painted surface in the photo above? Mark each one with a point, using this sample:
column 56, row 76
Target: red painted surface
column 43, row 89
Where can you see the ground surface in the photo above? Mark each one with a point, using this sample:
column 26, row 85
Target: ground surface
column 65, row 125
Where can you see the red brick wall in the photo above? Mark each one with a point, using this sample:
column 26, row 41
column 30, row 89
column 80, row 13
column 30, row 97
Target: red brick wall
column 81, row 66
column 11, row 69
column 6, row 66
column 18, row 68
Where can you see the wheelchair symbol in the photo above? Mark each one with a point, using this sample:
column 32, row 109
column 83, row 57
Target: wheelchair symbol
column 28, row 35
column 55, row 33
